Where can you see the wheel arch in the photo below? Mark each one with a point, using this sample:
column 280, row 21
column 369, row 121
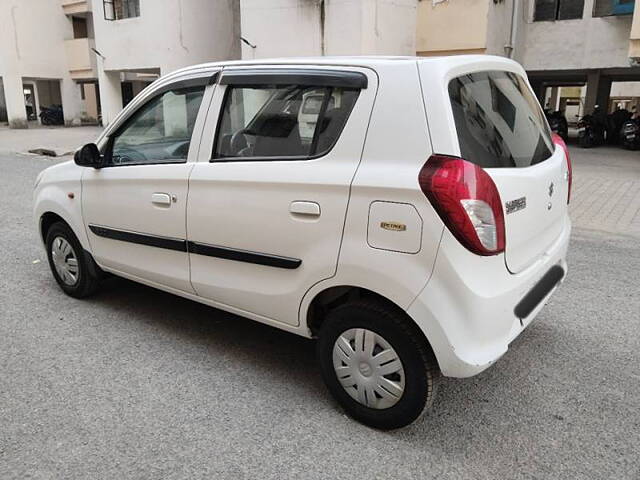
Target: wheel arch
column 332, row 297
column 47, row 219
column 49, row 211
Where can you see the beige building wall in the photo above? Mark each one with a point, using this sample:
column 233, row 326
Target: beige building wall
column 452, row 27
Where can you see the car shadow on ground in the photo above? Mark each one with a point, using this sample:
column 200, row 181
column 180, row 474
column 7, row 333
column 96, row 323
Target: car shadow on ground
column 279, row 356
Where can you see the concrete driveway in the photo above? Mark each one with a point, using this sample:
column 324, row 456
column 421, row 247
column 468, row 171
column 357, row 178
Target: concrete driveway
column 136, row 383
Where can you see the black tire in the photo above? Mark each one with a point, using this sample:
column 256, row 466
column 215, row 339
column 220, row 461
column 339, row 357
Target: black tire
column 420, row 367
column 88, row 274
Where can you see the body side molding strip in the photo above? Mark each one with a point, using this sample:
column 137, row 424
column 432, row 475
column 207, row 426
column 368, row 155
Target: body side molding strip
column 243, row 255
column 197, row 248
column 140, row 238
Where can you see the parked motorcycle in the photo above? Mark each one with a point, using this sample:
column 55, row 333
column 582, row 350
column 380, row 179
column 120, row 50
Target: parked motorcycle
column 52, row 115
column 630, row 134
column 615, row 122
column 558, row 124
column 590, row 132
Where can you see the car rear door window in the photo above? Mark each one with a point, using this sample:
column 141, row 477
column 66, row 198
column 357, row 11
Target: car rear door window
column 281, row 121
column 499, row 122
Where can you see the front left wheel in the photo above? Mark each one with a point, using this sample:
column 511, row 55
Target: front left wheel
column 72, row 267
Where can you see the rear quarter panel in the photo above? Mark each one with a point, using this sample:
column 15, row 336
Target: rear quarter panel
column 396, row 146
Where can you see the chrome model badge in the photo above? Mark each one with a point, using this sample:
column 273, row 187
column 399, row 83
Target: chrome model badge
column 515, row 205
column 393, row 226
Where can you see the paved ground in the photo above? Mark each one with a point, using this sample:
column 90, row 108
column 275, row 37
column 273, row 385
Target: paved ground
column 136, row 383
column 59, row 139
column 606, row 194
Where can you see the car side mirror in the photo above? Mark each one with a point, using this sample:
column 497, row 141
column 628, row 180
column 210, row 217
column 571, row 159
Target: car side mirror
column 88, row 156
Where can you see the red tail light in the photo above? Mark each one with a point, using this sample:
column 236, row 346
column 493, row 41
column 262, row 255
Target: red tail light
column 467, row 201
column 557, row 140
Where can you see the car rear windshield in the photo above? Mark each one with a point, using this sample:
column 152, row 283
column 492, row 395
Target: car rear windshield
column 498, row 121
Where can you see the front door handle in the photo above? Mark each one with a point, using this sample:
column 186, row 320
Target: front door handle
column 308, row 209
column 163, row 199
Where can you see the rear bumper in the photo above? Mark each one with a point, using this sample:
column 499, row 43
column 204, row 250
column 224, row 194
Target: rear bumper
column 468, row 309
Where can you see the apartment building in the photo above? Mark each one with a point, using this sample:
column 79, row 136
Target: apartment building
column 34, row 64
column 93, row 56
column 573, row 50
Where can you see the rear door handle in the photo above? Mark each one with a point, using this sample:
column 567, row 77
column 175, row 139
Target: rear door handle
column 309, row 209
column 163, row 199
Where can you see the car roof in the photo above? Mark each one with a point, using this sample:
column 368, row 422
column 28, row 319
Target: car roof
column 370, row 61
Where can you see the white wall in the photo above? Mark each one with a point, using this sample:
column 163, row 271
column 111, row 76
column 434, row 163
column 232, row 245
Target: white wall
column 280, row 28
column 576, row 44
column 499, row 31
column 168, row 34
column 284, row 28
column 32, row 34
column 625, row 89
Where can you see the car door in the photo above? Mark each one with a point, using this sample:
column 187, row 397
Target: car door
column 269, row 194
column 134, row 207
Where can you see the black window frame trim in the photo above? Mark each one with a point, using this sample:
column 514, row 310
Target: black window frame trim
column 298, row 76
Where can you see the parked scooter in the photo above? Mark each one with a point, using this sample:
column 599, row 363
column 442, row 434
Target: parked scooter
column 52, row 115
column 558, row 124
column 630, row 134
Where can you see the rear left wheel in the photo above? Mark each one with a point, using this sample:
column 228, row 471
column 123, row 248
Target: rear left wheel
column 377, row 367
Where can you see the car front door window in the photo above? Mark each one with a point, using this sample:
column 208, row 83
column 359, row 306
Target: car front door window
column 160, row 131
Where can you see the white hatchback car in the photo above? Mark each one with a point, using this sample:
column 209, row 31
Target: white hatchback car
column 410, row 213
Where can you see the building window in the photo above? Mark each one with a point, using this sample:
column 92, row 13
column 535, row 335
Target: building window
column 604, row 8
column 557, row 10
column 79, row 27
column 119, row 9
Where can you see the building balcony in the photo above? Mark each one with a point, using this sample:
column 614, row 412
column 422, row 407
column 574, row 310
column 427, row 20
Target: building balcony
column 76, row 7
column 80, row 59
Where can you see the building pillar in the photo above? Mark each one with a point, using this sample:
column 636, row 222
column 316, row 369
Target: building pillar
column 71, row 102
column 553, row 99
column 91, row 100
column 3, row 103
column 538, row 88
column 14, row 97
column 598, row 91
column 110, row 95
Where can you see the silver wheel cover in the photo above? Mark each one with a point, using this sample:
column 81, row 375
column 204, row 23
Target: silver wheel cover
column 64, row 260
column 368, row 368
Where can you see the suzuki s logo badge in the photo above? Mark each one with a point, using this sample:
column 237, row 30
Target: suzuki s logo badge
column 551, row 189
column 393, row 226
column 515, row 205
